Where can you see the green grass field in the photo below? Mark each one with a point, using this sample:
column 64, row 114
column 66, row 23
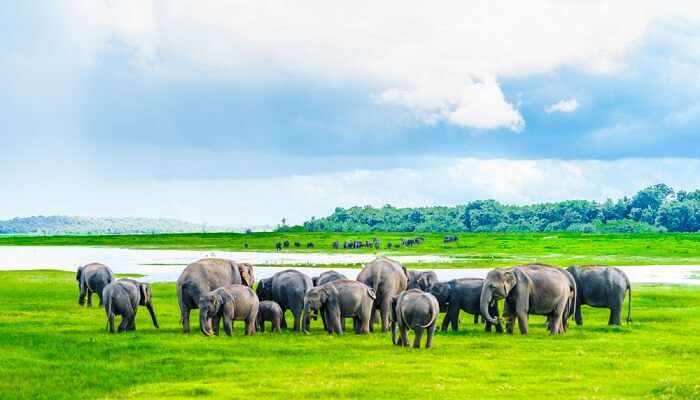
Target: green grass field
column 52, row 348
column 472, row 250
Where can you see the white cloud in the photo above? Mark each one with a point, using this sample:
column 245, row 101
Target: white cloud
column 565, row 106
column 443, row 60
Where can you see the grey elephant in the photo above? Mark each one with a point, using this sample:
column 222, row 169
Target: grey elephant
column 326, row 277
column 288, row 289
column 417, row 310
column 530, row 289
column 388, row 278
column 122, row 297
column 601, row 286
column 422, row 280
column 205, row 275
column 92, row 278
column 268, row 310
column 228, row 303
column 339, row 300
column 462, row 294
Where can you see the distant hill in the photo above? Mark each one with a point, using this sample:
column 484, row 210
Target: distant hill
column 67, row 225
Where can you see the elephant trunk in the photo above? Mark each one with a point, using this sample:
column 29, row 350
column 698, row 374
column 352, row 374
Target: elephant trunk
column 153, row 314
column 205, row 323
column 485, row 301
column 306, row 320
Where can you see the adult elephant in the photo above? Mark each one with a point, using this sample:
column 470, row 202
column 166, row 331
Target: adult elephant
column 422, row 280
column 288, row 289
column 601, row 286
column 529, row 289
column 388, row 278
column 339, row 300
column 327, row 277
column 206, row 275
column 92, row 278
column 462, row 294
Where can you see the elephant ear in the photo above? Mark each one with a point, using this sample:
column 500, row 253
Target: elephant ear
column 246, row 271
column 145, row 292
column 228, row 302
column 79, row 273
column 405, row 272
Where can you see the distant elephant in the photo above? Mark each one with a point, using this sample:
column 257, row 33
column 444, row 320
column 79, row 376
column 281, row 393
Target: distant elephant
column 268, row 310
column 600, row 286
column 422, row 280
column 529, row 289
column 326, row 277
column 122, row 297
column 230, row 302
column 92, row 278
column 288, row 289
column 417, row 310
column 205, row 275
column 462, row 294
column 338, row 300
column 388, row 278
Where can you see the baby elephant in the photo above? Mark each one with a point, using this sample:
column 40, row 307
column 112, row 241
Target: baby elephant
column 92, row 278
column 122, row 297
column 417, row 310
column 269, row 310
column 232, row 302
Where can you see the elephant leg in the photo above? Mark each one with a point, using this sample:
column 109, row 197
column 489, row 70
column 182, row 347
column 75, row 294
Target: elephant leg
column 522, row 323
column 372, row 317
column 284, row 319
column 342, row 324
column 228, row 324
column 455, row 320
column 276, row 325
column 494, row 312
column 123, row 324
column 99, row 296
column 476, row 318
column 185, row 311
column 419, row 334
column 403, row 335
column 89, row 298
column 297, row 320
column 110, row 323
column 322, row 311
column 615, row 314
column 445, row 322
column 216, row 323
column 384, row 310
column 510, row 318
column 431, row 332
column 578, row 317
column 83, row 293
column 250, row 323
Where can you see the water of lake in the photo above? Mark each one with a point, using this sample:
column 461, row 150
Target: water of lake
column 166, row 265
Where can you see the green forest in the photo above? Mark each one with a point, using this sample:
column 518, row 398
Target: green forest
column 657, row 208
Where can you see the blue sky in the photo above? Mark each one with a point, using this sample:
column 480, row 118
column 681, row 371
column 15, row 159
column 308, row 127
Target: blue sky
column 244, row 113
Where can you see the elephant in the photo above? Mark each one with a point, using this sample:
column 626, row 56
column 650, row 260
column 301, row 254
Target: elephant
column 417, row 310
column 288, row 289
column 388, row 278
column 338, row 300
column 326, row 277
column 122, row 297
column 269, row 311
column 204, row 276
column 601, row 286
column 422, row 280
column 462, row 294
column 230, row 302
column 92, row 278
column 530, row 289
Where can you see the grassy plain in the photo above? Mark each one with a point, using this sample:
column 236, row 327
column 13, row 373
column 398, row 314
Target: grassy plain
column 52, row 348
column 471, row 250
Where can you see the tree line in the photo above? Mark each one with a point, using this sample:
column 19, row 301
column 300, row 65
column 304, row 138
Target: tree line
column 656, row 208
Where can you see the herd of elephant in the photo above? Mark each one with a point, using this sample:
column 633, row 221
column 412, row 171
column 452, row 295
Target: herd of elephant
column 405, row 299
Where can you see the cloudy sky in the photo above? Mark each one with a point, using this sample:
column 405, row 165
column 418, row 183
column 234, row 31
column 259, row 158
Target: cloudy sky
column 240, row 112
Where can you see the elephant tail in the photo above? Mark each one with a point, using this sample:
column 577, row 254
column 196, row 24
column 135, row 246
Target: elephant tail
column 372, row 294
column 110, row 313
column 434, row 315
column 629, row 302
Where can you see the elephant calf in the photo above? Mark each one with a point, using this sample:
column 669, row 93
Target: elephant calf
column 417, row 310
column 338, row 300
column 462, row 294
column 600, row 286
column 269, row 311
column 122, row 297
column 422, row 280
column 92, row 278
column 231, row 302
